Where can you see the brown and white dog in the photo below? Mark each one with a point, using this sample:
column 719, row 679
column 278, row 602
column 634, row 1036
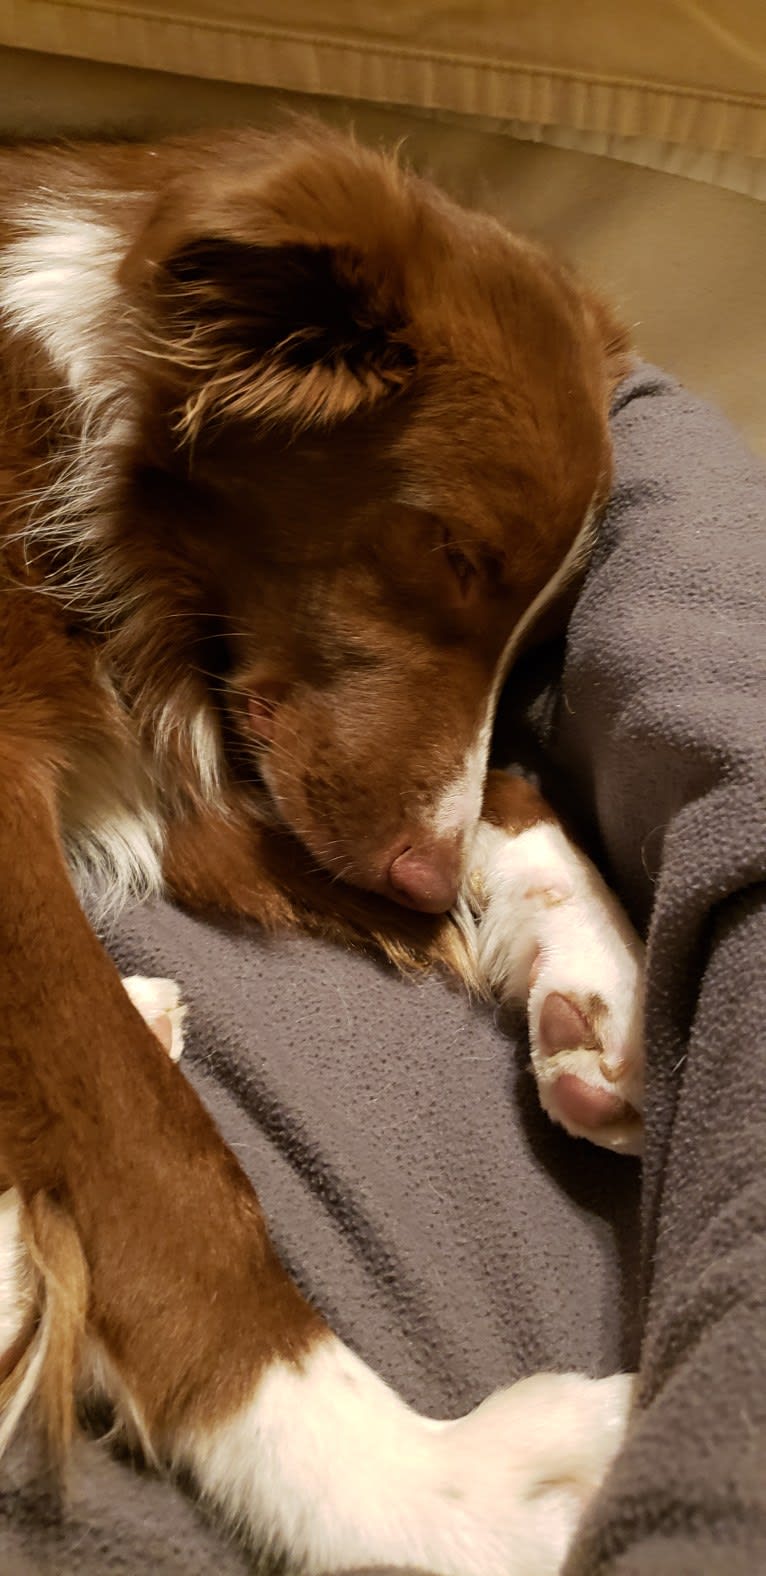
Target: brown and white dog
column 294, row 452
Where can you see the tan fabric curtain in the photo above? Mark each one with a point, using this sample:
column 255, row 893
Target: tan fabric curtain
column 686, row 72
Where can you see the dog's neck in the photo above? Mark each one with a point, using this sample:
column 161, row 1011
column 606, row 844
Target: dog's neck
column 70, row 327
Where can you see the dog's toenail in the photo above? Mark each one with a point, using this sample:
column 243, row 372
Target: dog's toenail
column 613, row 1070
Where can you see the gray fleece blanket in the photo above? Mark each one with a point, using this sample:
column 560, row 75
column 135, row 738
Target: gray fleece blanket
column 452, row 1236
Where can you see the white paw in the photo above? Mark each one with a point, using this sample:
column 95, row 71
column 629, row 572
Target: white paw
column 159, row 1003
column 552, row 934
column 527, row 1461
column 328, row 1466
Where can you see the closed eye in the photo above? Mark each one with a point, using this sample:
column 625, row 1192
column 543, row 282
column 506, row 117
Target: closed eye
column 463, row 568
column 464, row 571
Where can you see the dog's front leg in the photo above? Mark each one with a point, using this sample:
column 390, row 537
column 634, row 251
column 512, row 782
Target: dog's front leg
column 549, row 934
column 135, row 1206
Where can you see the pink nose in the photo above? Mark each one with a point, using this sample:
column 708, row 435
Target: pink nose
column 427, row 877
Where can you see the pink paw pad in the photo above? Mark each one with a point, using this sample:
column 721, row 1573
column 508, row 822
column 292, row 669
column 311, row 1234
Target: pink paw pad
column 586, row 1106
column 564, row 1026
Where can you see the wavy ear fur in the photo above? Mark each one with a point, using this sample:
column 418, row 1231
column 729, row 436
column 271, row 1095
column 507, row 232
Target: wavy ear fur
column 291, row 282
column 295, row 333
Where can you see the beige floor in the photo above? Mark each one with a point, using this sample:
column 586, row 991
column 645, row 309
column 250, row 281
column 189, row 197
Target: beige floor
column 686, row 262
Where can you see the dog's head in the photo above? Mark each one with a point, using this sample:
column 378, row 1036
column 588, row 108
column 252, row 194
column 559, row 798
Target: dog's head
column 390, row 419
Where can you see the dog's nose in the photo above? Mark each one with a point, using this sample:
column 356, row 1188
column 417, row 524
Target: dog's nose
column 427, row 877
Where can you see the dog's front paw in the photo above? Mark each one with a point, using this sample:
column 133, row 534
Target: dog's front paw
column 585, row 1033
column 528, row 1460
column 159, row 1003
column 551, row 934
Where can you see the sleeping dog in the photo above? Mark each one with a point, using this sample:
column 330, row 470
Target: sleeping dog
column 295, row 454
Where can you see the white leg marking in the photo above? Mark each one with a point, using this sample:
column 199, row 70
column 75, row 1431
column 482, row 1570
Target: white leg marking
column 551, row 934
column 327, row 1464
column 159, row 1003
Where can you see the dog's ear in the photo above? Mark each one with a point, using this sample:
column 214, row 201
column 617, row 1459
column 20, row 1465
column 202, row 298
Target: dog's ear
column 294, row 333
column 614, row 338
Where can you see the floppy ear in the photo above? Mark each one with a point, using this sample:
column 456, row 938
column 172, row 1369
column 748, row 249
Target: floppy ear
column 295, row 333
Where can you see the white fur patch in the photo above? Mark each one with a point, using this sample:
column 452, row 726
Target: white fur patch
column 15, row 1300
column 327, row 1464
column 198, row 726
column 118, row 858
column 458, row 807
column 113, row 834
column 14, row 1287
column 58, row 284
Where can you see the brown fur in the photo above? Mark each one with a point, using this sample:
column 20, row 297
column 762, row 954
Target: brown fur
column 364, row 429
column 101, row 1133
column 513, row 803
column 439, row 503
